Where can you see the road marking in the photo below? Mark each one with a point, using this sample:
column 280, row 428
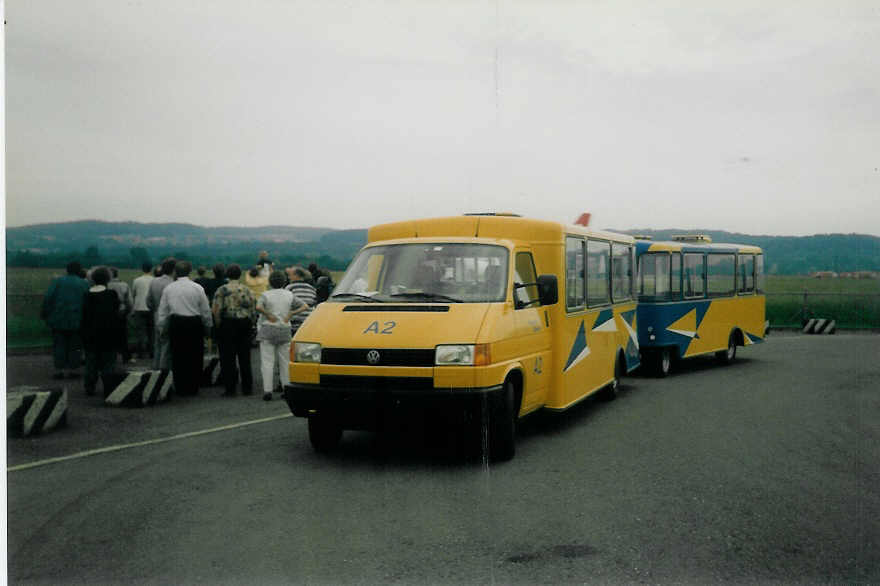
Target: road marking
column 151, row 442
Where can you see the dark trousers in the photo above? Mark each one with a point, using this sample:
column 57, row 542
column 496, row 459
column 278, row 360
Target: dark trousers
column 122, row 340
column 187, row 352
column 99, row 361
column 143, row 321
column 235, row 345
column 66, row 349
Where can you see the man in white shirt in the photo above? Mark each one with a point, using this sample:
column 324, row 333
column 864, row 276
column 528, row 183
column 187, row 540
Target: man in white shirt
column 161, row 347
column 184, row 316
column 143, row 317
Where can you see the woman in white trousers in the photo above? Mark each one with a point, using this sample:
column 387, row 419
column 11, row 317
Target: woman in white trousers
column 276, row 306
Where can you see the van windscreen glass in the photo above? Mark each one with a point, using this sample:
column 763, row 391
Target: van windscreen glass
column 432, row 272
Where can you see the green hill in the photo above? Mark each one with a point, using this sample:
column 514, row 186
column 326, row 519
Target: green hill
column 127, row 244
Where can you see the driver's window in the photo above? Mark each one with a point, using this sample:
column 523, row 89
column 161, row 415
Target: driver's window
column 525, row 273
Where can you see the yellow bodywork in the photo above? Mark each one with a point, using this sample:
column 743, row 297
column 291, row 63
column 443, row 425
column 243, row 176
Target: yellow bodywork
column 535, row 341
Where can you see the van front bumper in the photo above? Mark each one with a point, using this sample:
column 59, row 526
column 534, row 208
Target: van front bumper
column 371, row 403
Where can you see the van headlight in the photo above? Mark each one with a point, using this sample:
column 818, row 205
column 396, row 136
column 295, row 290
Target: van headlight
column 306, row 352
column 462, row 355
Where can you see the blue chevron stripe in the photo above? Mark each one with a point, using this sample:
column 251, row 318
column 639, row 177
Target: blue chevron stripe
column 604, row 317
column 578, row 348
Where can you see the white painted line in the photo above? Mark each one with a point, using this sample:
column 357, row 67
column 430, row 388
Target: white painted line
column 151, row 442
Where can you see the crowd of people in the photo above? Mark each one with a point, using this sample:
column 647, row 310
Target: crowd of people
column 177, row 319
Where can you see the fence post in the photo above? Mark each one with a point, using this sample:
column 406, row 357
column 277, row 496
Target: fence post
column 805, row 311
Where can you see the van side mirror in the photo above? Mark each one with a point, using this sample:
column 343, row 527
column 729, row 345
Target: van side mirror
column 548, row 289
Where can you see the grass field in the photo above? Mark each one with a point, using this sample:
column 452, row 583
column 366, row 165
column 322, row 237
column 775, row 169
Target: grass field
column 854, row 303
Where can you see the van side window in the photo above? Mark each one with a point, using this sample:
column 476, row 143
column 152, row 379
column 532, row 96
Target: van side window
column 621, row 272
column 598, row 272
column 575, row 277
column 524, row 272
column 693, row 275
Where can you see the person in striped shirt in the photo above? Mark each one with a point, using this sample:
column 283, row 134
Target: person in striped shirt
column 305, row 292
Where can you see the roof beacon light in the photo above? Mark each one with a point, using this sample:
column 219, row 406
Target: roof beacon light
column 705, row 239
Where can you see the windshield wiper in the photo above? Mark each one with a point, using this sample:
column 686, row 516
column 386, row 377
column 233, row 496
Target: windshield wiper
column 356, row 296
column 431, row 296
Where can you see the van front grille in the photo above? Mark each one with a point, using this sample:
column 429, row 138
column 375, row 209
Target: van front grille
column 377, row 383
column 387, row 356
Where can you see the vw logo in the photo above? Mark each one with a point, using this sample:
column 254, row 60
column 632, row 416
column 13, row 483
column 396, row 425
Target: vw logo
column 373, row 357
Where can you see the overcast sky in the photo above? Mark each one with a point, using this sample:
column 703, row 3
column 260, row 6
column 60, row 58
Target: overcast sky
column 750, row 116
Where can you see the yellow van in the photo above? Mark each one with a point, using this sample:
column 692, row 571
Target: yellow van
column 479, row 319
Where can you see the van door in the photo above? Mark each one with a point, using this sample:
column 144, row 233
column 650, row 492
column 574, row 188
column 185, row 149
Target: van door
column 532, row 332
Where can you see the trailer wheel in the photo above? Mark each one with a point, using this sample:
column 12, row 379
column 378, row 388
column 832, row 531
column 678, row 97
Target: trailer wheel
column 663, row 364
column 729, row 355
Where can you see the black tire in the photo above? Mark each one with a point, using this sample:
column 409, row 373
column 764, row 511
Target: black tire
column 611, row 390
column 729, row 355
column 324, row 434
column 502, row 425
column 663, row 363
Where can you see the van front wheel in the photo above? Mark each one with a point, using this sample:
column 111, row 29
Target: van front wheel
column 324, row 434
column 502, row 425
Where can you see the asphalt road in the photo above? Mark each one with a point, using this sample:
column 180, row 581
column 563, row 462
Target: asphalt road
column 766, row 470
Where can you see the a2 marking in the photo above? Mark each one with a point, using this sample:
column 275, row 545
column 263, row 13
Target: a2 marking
column 373, row 328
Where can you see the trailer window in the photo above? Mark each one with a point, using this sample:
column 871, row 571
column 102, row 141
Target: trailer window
column 759, row 273
column 721, row 274
column 654, row 275
column 694, row 270
column 746, row 273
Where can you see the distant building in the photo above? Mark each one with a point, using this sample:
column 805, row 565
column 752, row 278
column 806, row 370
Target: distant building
column 824, row 275
column 861, row 275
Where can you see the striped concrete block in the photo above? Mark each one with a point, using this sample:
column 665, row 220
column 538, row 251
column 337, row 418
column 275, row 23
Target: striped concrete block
column 33, row 410
column 211, row 372
column 820, row 326
column 140, row 388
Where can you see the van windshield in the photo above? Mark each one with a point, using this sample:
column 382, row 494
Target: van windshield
column 433, row 272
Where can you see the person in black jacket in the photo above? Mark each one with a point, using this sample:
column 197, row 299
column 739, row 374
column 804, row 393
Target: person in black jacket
column 100, row 335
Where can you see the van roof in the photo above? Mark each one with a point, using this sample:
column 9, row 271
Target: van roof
column 506, row 226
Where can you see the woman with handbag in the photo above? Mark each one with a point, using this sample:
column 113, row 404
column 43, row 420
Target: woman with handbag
column 276, row 306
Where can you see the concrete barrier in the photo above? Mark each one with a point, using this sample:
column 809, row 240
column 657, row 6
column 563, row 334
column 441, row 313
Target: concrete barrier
column 211, row 372
column 139, row 388
column 820, row 326
column 33, row 410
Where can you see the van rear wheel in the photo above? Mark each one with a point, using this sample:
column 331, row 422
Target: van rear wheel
column 609, row 393
column 324, row 434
